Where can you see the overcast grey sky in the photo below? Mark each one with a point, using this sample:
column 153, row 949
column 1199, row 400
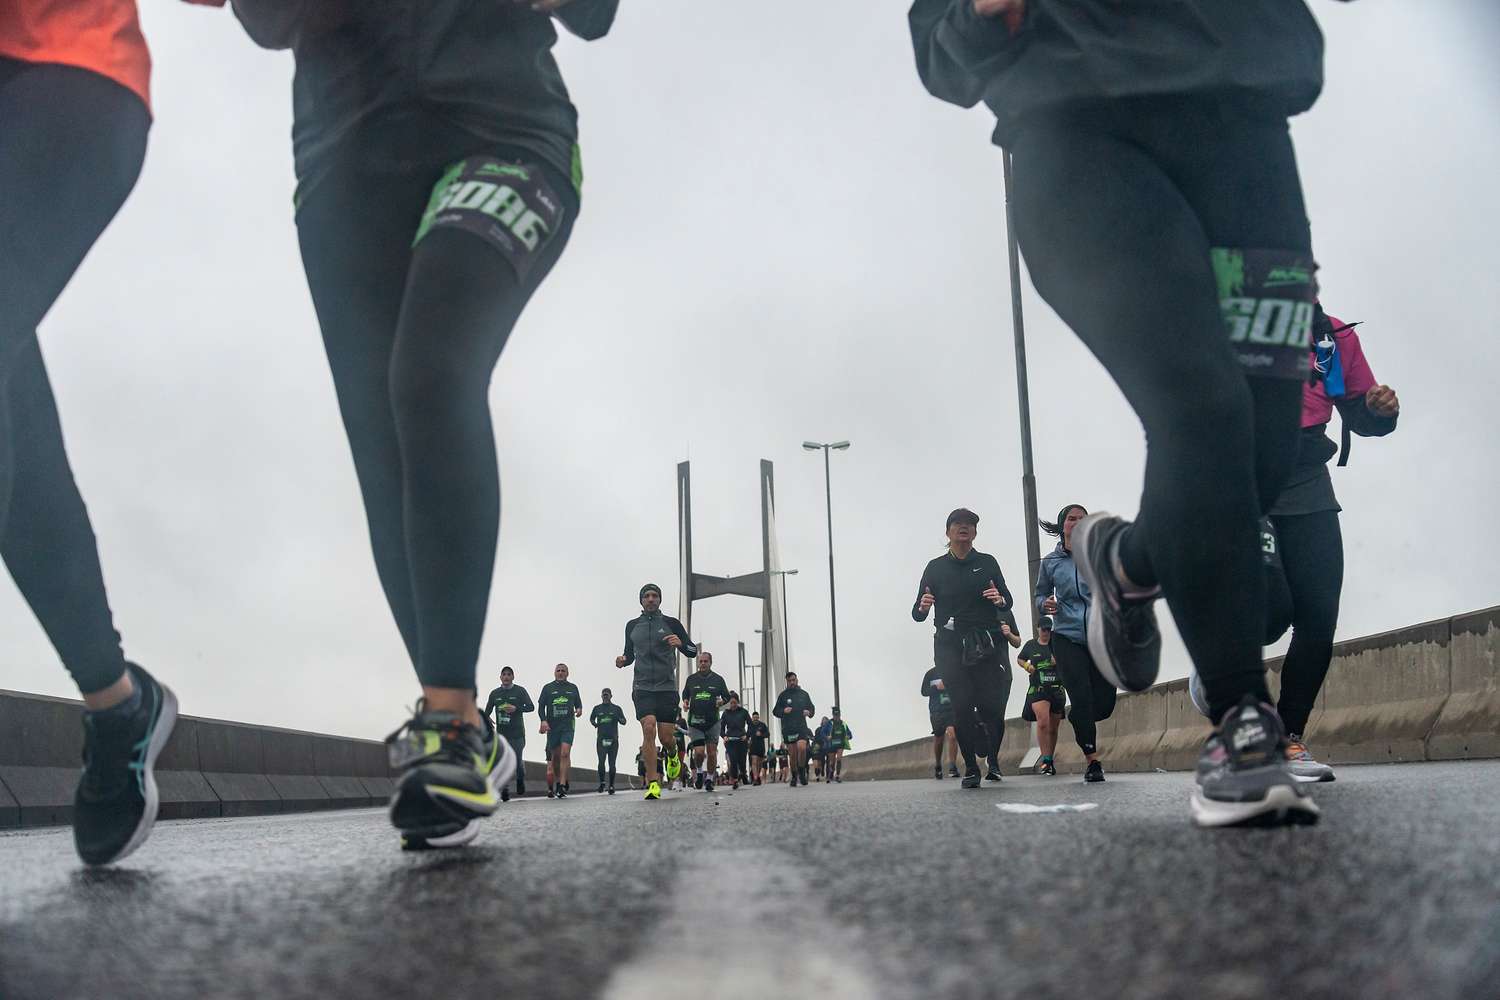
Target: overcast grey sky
column 783, row 237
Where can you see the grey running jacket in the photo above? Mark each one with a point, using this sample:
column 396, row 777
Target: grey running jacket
column 485, row 67
column 1066, row 52
column 1059, row 573
column 646, row 647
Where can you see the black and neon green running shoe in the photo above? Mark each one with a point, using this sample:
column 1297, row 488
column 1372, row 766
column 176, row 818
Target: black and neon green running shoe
column 653, row 791
column 453, row 773
column 674, row 767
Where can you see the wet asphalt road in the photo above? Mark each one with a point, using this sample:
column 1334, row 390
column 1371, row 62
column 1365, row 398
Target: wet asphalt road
column 877, row 889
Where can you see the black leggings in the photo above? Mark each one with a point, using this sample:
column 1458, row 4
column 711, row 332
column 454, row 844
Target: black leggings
column 1116, row 210
column 736, row 752
column 71, row 147
column 1312, row 559
column 978, row 694
column 1091, row 698
column 412, row 335
column 607, row 756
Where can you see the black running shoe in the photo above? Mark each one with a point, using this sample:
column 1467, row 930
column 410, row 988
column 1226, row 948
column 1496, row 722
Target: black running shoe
column 115, row 804
column 1095, row 771
column 952, row 770
column 1243, row 778
column 453, row 776
column 993, row 774
column 1123, row 638
column 937, row 771
column 551, row 792
column 562, row 791
column 708, row 784
column 611, row 789
column 1047, row 767
column 971, row 779
column 600, row 789
column 505, row 795
column 697, row 779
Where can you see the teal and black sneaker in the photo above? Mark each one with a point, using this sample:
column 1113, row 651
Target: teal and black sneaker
column 115, row 804
column 452, row 780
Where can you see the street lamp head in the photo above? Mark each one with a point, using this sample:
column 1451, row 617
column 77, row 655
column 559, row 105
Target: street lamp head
column 839, row 446
column 811, row 445
column 789, row 572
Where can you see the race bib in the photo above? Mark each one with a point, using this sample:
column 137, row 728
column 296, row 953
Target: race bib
column 606, row 743
column 508, row 205
column 1266, row 299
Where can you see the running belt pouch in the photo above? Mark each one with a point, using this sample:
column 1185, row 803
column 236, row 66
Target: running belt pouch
column 978, row 644
column 1266, row 299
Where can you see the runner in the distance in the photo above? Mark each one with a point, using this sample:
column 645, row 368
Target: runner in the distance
column 561, row 704
column 760, row 736
column 75, row 109
column 607, row 718
column 1045, row 696
column 652, row 642
column 735, row 726
column 431, row 204
column 509, row 702
column 702, row 696
column 1159, row 209
column 783, row 762
column 840, row 738
column 972, row 601
column 817, row 749
column 1063, row 594
column 794, row 707
column 940, row 714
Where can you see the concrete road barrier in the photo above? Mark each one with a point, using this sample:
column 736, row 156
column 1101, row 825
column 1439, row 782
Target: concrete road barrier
column 1383, row 695
column 208, row 768
column 1469, row 724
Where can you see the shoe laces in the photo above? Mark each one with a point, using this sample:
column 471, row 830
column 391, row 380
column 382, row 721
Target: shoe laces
column 430, row 737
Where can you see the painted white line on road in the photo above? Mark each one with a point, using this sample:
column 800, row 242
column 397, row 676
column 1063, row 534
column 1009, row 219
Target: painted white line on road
column 1026, row 809
column 748, row 919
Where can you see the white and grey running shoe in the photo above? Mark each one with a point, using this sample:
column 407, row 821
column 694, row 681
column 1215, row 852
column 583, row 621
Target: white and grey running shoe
column 1196, row 693
column 1243, row 777
column 1301, row 763
column 1123, row 637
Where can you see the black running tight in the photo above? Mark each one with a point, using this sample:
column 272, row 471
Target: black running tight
column 1116, row 211
column 412, row 335
column 978, row 694
column 607, row 758
column 71, row 147
column 1091, row 698
column 736, row 752
column 1312, row 558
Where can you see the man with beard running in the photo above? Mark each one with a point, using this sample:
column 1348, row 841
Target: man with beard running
column 561, row 704
column 652, row 642
column 606, row 717
column 702, row 695
column 509, row 702
column 735, row 725
column 760, row 737
column 794, row 707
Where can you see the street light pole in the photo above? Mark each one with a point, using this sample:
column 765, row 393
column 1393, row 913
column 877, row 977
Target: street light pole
column 833, row 615
column 786, row 614
column 1023, row 394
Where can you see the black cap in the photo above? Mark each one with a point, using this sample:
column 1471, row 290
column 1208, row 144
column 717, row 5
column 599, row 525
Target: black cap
column 963, row 514
column 1044, row 623
column 649, row 586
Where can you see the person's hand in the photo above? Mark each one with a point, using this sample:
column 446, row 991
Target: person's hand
column 577, row 713
column 1005, row 629
column 1381, row 400
column 619, row 662
column 545, row 727
column 937, row 685
column 924, row 604
column 1012, row 11
column 673, row 641
column 993, row 595
column 807, row 712
column 1049, row 606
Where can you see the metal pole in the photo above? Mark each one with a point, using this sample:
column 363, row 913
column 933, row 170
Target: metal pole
column 786, row 629
column 833, row 614
column 1023, row 395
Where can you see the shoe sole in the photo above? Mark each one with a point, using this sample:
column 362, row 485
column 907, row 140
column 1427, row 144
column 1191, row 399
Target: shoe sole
column 1098, row 648
column 1313, row 779
column 165, row 722
column 463, row 835
column 1282, row 805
